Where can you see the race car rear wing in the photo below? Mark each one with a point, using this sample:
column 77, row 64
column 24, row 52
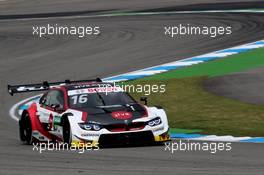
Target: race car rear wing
column 13, row 89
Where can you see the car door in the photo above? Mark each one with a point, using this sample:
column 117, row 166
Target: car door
column 48, row 115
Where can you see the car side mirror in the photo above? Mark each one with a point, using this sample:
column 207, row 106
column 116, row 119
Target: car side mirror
column 144, row 99
column 42, row 100
column 57, row 108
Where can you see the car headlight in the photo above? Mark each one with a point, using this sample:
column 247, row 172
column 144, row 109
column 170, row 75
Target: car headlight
column 90, row 126
column 154, row 122
column 96, row 127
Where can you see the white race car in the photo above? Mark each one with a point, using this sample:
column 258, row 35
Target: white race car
column 89, row 111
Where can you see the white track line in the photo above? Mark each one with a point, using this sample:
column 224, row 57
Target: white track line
column 135, row 14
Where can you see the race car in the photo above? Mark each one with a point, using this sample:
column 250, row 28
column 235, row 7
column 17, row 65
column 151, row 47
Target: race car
column 89, row 111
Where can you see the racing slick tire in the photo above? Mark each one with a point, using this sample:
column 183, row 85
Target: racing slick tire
column 67, row 136
column 25, row 129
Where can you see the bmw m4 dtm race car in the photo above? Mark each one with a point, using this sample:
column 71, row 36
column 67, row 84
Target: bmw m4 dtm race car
column 89, row 111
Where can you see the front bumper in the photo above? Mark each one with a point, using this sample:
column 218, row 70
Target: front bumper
column 143, row 137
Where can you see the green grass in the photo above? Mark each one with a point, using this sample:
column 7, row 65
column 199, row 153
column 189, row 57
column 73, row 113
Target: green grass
column 190, row 106
column 184, row 131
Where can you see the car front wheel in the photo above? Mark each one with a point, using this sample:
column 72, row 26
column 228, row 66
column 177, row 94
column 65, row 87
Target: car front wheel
column 67, row 132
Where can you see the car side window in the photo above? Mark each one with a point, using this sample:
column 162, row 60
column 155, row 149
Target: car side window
column 54, row 97
column 43, row 99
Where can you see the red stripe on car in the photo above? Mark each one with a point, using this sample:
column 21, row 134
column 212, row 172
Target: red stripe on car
column 84, row 116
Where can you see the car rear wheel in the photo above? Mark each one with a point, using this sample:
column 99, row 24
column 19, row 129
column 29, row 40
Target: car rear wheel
column 25, row 129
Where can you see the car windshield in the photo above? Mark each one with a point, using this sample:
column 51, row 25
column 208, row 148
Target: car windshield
column 99, row 99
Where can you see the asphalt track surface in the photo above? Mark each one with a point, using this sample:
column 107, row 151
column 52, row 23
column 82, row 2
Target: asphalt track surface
column 18, row 7
column 126, row 44
column 243, row 86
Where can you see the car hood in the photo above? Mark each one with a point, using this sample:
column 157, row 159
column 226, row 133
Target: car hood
column 114, row 115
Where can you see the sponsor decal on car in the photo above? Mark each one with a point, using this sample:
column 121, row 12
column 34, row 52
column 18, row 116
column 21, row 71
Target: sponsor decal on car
column 95, row 90
column 122, row 115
